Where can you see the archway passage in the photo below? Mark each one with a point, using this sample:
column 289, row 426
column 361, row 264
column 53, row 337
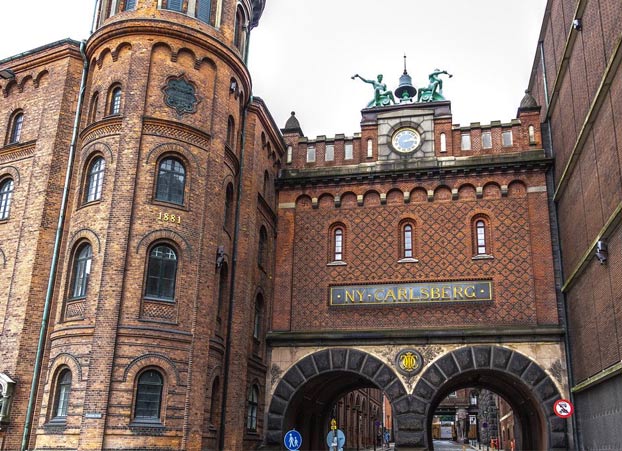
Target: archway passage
column 305, row 397
column 519, row 380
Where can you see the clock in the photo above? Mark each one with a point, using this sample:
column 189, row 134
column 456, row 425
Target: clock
column 406, row 140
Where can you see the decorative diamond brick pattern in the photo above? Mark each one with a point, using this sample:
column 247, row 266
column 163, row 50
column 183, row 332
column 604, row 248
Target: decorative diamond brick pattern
column 75, row 310
column 443, row 248
column 158, row 311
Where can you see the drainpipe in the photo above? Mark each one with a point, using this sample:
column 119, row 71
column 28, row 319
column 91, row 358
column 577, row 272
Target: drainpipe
column 55, row 252
column 556, row 240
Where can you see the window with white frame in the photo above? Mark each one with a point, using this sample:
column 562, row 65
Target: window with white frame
column 465, row 141
column 486, row 140
column 349, row 152
column 329, row 154
column 310, row 154
column 506, row 138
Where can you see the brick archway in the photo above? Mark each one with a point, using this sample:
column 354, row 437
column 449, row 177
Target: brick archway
column 360, row 365
column 504, row 371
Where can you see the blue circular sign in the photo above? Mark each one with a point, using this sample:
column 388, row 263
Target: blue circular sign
column 292, row 440
column 336, row 439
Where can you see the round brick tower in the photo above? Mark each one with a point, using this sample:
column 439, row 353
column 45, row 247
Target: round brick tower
column 138, row 350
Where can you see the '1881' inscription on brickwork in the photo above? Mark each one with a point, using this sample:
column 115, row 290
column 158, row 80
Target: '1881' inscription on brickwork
column 411, row 293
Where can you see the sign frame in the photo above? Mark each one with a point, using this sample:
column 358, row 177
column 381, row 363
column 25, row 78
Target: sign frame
column 558, row 404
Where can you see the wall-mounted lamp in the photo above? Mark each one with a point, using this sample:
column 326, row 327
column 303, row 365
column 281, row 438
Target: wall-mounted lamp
column 7, row 74
column 220, row 256
column 601, row 251
column 577, row 24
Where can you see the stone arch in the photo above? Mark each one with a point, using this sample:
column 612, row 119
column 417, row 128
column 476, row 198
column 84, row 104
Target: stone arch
column 501, row 369
column 360, row 364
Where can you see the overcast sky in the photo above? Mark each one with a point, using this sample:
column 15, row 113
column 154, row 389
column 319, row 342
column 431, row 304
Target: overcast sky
column 304, row 52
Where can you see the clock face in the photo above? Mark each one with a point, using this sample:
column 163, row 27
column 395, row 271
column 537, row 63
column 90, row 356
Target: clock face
column 406, row 140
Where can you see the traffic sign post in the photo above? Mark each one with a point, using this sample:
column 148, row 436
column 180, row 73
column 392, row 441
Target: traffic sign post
column 563, row 408
column 292, row 440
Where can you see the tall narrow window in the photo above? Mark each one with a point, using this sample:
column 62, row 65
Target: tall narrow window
column 204, row 8
column 171, row 181
column 408, row 241
column 174, row 5
column 443, row 138
column 81, row 271
column 161, row 273
column 16, row 128
column 348, row 151
column 465, row 141
column 215, row 401
column 61, row 395
column 148, row 396
column 93, row 108
column 251, row 413
column 480, row 230
column 240, row 28
column 486, row 140
column 329, row 153
column 130, row 5
column 338, row 245
column 223, row 284
column 310, row 154
column 231, row 133
column 262, row 248
column 506, row 137
column 532, row 134
column 115, row 101
column 6, row 193
column 290, row 152
column 266, row 185
column 95, row 180
column 370, row 148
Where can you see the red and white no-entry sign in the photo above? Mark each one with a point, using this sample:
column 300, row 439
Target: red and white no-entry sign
column 563, row 408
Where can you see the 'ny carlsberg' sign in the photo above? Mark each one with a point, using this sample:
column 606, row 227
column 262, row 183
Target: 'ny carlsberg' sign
column 411, row 293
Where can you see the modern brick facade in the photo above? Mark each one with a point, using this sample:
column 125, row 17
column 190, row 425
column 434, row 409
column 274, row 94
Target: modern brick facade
column 576, row 77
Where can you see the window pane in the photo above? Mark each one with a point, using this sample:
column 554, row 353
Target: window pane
column 408, row 241
column 148, row 395
column 95, row 180
column 370, row 148
column 174, row 5
column 115, row 101
column 130, row 5
column 443, row 143
column 465, row 142
column 329, row 155
column 338, row 245
column 161, row 273
column 289, row 154
column 251, row 415
column 6, row 192
column 203, row 10
column 171, row 181
column 481, row 237
column 486, row 140
column 310, row 154
column 507, row 138
column 349, row 153
column 63, row 389
column 81, row 271
column 16, row 130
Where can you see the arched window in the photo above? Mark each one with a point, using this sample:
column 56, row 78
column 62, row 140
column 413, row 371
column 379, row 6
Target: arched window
column 407, row 241
column 266, row 185
column 115, row 101
column 532, row 134
column 262, row 248
column 129, row 5
column 370, row 148
column 239, row 37
column 443, row 139
column 228, row 216
column 95, row 180
column 173, row 5
column 81, row 271
column 171, row 181
column 148, row 396
column 231, row 133
column 481, row 236
column 290, row 152
column 61, row 395
column 161, row 273
column 16, row 128
column 93, row 108
column 6, row 193
column 338, row 244
column 251, row 413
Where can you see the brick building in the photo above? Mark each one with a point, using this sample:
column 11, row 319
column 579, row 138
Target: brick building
column 180, row 274
column 576, row 77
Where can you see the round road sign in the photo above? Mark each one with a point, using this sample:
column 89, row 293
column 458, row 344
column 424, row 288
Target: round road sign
column 563, row 408
column 292, row 440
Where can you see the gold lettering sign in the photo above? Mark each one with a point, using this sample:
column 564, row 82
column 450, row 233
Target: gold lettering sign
column 411, row 293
